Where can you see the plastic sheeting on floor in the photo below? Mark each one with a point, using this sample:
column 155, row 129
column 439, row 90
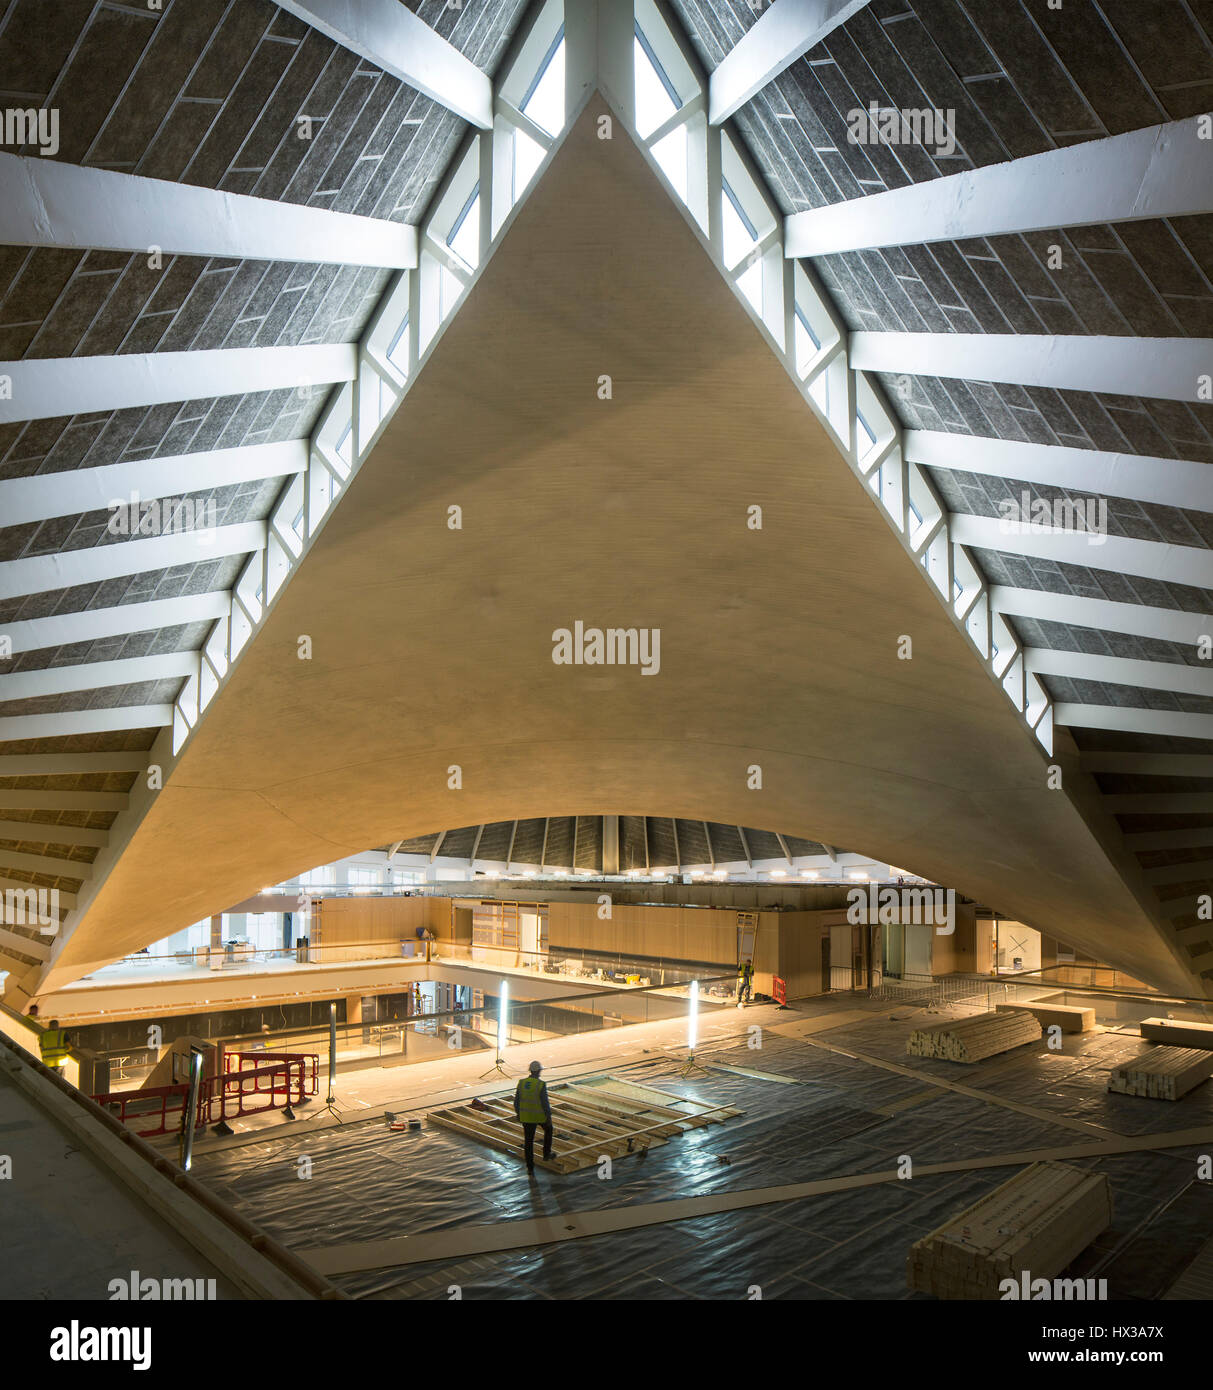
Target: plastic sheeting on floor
column 364, row 1183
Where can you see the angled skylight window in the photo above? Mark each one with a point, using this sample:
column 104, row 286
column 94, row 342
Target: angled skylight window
column 528, row 156
column 544, row 101
column 807, row 342
column 398, row 350
column 656, row 97
column 740, row 238
column 344, row 446
column 464, row 236
column 865, row 438
column 739, row 233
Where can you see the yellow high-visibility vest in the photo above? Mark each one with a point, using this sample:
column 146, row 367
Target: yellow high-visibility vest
column 530, row 1101
column 53, row 1045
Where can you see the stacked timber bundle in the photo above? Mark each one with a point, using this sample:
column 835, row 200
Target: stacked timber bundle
column 1162, row 1073
column 971, row 1039
column 1033, row 1225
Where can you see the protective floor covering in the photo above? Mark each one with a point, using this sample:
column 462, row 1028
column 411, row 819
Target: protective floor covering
column 844, row 1116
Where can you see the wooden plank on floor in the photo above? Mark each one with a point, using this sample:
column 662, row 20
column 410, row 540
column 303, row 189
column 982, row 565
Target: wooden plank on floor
column 754, row 1075
column 822, row 1023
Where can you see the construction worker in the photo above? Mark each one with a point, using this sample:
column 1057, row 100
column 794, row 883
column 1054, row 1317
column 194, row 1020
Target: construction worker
column 745, row 974
column 533, row 1108
column 53, row 1044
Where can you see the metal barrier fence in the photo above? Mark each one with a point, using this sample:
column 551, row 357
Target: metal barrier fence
column 249, row 1083
column 949, row 989
column 292, row 1076
column 157, row 1104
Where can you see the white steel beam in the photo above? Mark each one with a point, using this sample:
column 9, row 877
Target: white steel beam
column 1173, row 723
column 1140, row 619
column 82, row 490
column 36, row 574
column 66, row 900
column 46, row 387
column 64, row 629
column 394, row 39
column 1161, row 171
column 1181, row 873
column 1159, row 803
column 93, row 675
column 1162, row 368
column 38, row 833
column 1151, row 765
column 47, row 203
column 1181, row 907
column 784, row 32
column 1115, row 670
column 1196, row 838
column 66, row 764
column 44, row 864
column 83, row 721
column 1189, row 936
column 26, row 945
column 20, row 799
column 1176, row 564
column 1169, row 482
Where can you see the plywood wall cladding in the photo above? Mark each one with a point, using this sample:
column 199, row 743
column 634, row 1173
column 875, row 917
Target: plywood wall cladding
column 659, row 933
column 629, row 511
column 344, row 921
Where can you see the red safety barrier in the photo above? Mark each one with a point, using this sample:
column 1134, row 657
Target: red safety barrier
column 158, row 1104
column 251, row 1083
column 257, row 1081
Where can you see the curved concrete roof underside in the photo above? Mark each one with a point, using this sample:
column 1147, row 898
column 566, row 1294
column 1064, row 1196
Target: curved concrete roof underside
column 779, row 647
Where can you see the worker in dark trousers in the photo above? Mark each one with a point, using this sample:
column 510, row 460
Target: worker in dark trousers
column 533, row 1108
column 745, row 974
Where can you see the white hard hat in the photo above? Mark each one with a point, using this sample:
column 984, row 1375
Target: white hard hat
column 536, row 1068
